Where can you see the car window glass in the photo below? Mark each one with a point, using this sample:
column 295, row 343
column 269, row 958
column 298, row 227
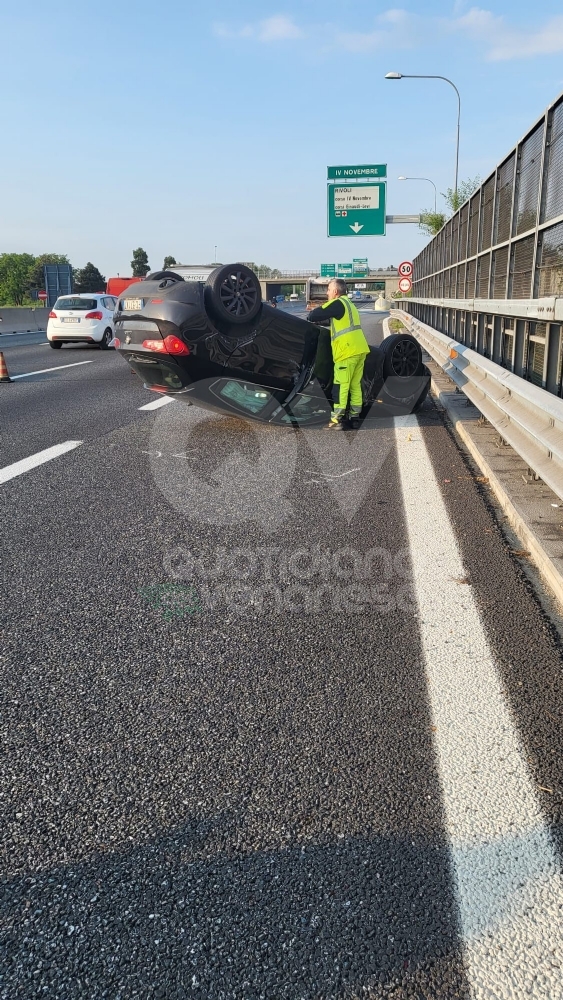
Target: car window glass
column 75, row 302
column 252, row 398
column 304, row 409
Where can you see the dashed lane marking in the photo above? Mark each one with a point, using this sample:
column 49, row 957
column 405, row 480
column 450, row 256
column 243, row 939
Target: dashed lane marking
column 157, row 403
column 58, row 368
column 508, row 881
column 25, row 464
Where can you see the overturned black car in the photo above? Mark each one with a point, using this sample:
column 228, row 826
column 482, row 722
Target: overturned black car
column 216, row 344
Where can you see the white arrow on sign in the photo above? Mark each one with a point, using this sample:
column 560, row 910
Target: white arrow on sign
column 356, row 227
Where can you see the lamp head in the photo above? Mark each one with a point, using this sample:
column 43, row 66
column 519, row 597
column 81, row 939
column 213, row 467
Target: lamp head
column 394, row 76
column 401, row 178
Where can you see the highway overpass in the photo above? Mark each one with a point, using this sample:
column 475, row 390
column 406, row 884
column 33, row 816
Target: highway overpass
column 385, row 280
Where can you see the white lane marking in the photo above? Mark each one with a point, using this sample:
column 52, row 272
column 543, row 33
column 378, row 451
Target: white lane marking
column 58, row 368
column 509, row 886
column 25, row 464
column 157, row 403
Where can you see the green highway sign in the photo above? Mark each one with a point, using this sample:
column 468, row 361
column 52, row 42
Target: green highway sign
column 361, row 266
column 328, row 270
column 345, row 270
column 356, row 209
column 365, row 171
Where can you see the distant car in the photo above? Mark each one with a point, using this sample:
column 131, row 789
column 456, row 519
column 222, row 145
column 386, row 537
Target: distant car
column 84, row 318
column 216, row 344
column 294, row 297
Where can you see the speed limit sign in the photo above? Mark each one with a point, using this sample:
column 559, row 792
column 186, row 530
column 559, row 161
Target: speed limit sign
column 405, row 285
column 405, row 269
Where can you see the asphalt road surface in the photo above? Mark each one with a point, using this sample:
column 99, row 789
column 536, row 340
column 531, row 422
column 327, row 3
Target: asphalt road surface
column 281, row 715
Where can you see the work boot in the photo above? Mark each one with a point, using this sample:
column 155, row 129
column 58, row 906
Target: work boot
column 334, row 425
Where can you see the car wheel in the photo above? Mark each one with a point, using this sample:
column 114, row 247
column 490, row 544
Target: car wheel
column 106, row 339
column 403, row 356
column 56, row 344
column 233, row 294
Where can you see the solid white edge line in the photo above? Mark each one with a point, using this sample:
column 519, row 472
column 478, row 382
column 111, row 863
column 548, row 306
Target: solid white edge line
column 507, row 874
column 58, row 368
column 157, row 403
column 25, row 464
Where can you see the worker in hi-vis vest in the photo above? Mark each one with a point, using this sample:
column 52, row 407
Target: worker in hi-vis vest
column 349, row 350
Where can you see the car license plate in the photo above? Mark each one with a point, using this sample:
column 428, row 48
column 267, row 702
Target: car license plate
column 70, row 319
column 132, row 305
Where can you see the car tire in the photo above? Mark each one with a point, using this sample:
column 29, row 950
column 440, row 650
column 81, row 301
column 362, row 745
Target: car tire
column 106, row 339
column 56, row 344
column 402, row 356
column 233, row 294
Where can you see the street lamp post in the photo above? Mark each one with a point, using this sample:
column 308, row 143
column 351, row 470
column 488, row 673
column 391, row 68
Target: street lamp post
column 215, row 254
column 425, row 76
column 429, row 182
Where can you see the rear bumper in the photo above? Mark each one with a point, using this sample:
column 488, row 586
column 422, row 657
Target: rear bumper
column 89, row 332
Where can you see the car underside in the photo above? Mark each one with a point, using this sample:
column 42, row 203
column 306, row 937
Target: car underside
column 216, row 344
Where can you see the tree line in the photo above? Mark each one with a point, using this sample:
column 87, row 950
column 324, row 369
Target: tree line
column 432, row 222
column 22, row 275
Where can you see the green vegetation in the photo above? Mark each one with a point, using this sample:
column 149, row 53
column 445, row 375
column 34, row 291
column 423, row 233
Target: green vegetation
column 140, row 263
column 89, row 279
column 432, row 222
column 169, row 262
column 396, row 326
column 22, row 276
column 15, row 271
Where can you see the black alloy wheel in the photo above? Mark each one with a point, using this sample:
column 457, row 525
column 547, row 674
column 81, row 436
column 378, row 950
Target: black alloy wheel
column 403, row 356
column 106, row 339
column 234, row 293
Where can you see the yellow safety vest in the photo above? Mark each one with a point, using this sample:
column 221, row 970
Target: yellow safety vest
column 346, row 335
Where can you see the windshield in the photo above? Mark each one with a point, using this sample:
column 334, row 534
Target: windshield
column 74, row 302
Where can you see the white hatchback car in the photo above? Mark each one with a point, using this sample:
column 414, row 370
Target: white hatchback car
column 85, row 317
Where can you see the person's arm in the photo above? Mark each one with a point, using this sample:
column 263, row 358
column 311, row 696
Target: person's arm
column 323, row 315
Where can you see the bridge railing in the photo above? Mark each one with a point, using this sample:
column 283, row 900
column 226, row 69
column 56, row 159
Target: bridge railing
column 276, row 275
column 490, row 274
column 506, row 241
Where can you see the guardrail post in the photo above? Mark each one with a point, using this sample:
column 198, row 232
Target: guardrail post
column 480, row 333
column 519, row 347
column 553, row 346
column 497, row 340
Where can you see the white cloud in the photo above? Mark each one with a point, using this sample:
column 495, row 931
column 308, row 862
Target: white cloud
column 394, row 28
column 397, row 28
column 503, row 42
column 397, row 16
column 278, row 28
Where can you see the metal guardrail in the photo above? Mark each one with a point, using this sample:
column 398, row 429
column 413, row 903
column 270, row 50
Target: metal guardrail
column 547, row 310
column 527, row 417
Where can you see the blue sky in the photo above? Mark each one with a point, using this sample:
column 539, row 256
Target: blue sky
column 183, row 125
